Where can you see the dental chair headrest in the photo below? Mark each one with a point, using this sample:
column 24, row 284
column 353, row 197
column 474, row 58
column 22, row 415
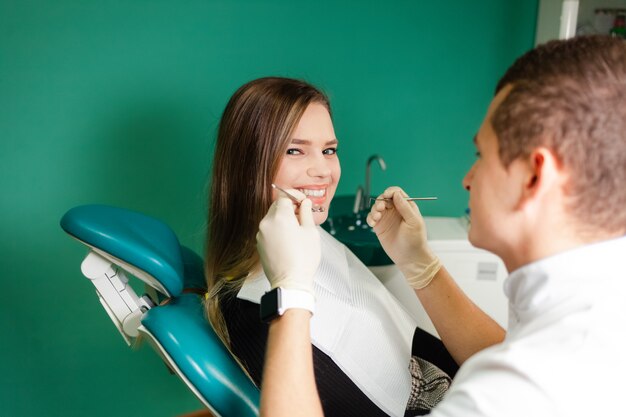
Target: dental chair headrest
column 145, row 246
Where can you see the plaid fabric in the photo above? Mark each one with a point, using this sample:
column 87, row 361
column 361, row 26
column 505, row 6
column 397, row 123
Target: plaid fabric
column 429, row 385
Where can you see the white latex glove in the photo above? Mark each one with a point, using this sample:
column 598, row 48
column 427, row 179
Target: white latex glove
column 289, row 247
column 402, row 233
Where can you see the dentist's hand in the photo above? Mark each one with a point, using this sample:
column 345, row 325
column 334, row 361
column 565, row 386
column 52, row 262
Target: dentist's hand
column 402, row 233
column 289, row 247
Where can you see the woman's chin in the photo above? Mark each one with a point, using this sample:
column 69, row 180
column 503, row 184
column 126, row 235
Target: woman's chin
column 320, row 217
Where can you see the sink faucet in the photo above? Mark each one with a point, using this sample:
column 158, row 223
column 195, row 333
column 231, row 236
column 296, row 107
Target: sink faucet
column 358, row 200
column 366, row 192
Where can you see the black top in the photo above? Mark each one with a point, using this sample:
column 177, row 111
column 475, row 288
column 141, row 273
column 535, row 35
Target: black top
column 248, row 339
column 338, row 394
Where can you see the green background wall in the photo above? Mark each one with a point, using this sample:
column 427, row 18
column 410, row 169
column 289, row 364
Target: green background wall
column 117, row 102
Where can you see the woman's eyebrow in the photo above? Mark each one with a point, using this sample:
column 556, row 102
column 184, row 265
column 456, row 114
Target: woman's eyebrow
column 308, row 142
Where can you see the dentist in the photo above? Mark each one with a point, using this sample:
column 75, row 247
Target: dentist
column 547, row 196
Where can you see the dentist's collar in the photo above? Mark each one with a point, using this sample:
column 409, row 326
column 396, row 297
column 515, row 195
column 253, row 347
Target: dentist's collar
column 549, row 280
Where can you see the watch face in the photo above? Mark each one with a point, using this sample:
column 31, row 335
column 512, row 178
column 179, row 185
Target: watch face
column 269, row 305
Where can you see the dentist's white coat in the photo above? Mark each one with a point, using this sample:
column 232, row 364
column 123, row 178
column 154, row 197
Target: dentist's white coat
column 565, row 351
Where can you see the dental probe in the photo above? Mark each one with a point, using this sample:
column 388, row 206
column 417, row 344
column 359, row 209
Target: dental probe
column 406, row 198
column 296, row 200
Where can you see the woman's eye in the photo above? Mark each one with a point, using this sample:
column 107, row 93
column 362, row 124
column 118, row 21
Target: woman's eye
column 477, row 154
column 294, row 151
column 329, row 151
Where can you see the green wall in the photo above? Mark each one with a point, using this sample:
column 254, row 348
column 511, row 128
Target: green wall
column 117, row 102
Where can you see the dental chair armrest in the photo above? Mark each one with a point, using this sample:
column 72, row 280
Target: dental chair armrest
column 184, row 338
column 140, row 244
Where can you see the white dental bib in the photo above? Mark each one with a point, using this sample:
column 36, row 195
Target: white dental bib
column 358, row 323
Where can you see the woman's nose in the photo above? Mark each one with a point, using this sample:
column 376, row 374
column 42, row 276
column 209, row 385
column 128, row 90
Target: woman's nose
column 319, row 167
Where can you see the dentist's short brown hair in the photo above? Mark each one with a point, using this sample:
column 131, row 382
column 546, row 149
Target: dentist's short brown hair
column 570, row 96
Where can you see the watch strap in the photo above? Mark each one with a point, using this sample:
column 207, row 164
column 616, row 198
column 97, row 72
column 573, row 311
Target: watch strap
column 274, row 303
column 295, row 299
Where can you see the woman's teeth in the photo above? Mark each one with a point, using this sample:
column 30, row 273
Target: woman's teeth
column 313, row 193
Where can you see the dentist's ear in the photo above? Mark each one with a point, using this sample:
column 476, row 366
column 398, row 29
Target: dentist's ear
column 542, row 177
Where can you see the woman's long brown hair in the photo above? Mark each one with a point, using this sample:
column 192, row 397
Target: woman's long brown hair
column 253, row 136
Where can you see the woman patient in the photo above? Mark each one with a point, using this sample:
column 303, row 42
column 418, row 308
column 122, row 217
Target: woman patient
column 370, row 358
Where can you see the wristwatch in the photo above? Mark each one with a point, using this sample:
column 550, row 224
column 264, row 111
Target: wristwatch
column 279, row 300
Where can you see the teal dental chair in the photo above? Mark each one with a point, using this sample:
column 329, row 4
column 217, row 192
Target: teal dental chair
column 170, row 315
